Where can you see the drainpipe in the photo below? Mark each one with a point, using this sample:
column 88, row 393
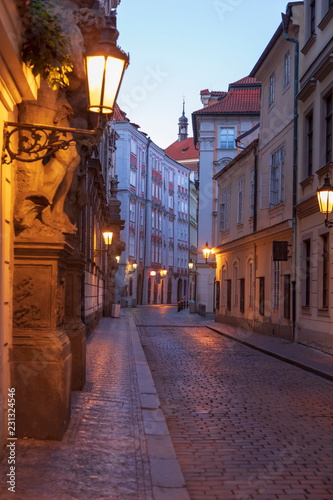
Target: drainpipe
column 255, row 201
column 295, row 146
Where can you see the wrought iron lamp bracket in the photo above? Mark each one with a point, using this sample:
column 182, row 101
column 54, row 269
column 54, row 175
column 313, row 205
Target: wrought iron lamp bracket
column 28, row 142
column 98, row 252
column 328, row 223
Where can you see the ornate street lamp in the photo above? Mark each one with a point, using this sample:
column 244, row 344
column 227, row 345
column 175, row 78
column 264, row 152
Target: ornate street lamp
column 206, row 251
column 163, row 272
column 325, row 200
column 190, row 264
column 107, row 236
column 152, row 273
column 134, row 265
column 105, row 64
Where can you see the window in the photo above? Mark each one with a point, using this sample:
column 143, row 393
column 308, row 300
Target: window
column 141, row 216
column 170, row 176
column 277, row 178
column 170, row 201
column 312, row 16
column 328, row 134
column 153, row 220
column 236, row 285
column 170, row 229
column 133, row 147
column 309, row 126
column 252, row 193
column 276, row 283
column 286, row 296
column 141, row 249
column 227, row 140
column 251, row 283
column 307, row 265
column 171, row 258
column 262, row 296
column 131, row 246
column 130, row 293
column 228, row 295
column 132, row 178
column 325, row 271
column 142, row 185
column 271, row 90
column 286, row 79
column 240, row 200
column 224, row 210
column 156, row 220
column 152, row 253
column 132, row 212
column 242, row 295
column 159, row 254
column 160, row 222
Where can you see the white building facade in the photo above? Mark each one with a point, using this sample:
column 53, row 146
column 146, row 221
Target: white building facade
column 154, row 194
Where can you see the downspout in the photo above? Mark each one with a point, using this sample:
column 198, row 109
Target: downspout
column 255, row 200
column 295, row 148
column 146, row 207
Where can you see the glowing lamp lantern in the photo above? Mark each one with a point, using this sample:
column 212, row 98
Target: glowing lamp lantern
column 118, row 259
column 325, row 199
column 153, row 273
column 107, row 236
column 135, row 265
column 206, row 251
column 190, row 264
column 105, row 64
column 163, row 272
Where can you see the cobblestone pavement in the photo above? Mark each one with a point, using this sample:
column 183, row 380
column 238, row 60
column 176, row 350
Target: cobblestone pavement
column 244, row 425
column 103, row 454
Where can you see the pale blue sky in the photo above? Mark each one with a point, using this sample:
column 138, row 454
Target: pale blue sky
column 180, row 47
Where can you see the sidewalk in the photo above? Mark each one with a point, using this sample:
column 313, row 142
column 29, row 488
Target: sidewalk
column 117, row 445
column 304, row 357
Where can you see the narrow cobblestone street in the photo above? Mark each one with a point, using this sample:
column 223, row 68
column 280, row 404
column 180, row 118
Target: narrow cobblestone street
column 244, row 425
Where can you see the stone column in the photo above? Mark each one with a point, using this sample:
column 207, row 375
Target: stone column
column 74, row 327
column 41, row 352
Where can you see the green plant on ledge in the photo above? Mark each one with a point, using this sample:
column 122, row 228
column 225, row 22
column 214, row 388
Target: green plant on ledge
column 45, row 48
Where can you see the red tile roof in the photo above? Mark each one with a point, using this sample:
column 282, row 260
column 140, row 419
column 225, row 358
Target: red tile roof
column 243, row 100
column 244, row 81
column 204, row 92
column 184, row 150
column 119, row 115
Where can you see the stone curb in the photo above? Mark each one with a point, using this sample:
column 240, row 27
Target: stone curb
column 281, row 357
column 166, row 475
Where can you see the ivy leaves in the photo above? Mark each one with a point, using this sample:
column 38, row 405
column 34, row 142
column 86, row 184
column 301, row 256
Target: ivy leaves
column 45, row 48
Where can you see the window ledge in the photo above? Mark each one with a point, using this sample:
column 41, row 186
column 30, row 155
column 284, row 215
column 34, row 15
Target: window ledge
column 326, row 19
column 309, row 44
column 323, row 311
column 326, row 169
column 306, row 310
column 307, row 182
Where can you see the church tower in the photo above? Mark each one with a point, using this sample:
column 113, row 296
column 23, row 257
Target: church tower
column 182, row 126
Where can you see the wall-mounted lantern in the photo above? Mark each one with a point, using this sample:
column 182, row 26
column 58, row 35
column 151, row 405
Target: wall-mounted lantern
column 135, row 265
column 325, row 200
column 107, row 236
column 190, row 264
column 206, row 251
column 118, row 259
column 163, row 272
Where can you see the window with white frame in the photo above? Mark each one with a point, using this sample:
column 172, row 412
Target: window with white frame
column 132, row 212
column 170, row 229
column 153, row 253
column 160, row 221
column 227, row 138
column 186, row 208
column 240, row 199
column 141, row 249
column 156, row 220
column 271, row 95
column 156, row 253
column 170, row 176
column 252, row 193
column 225, row 210
column 142, row 184
column 171, row 258
column 286, row 74
column 276, row 192
column 132, row 178
column 141, row 215
column 170, row 201
column 179, row 206
column 276, row 283
column 153, row 219
column 131, row 246
column 133, row 147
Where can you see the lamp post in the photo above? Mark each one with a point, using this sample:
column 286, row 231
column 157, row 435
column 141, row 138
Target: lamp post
column 105, row 64
column 206, row 251
column 325, row 200
column 107, row 236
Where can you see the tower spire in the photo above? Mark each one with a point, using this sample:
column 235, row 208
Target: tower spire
column 183, row 125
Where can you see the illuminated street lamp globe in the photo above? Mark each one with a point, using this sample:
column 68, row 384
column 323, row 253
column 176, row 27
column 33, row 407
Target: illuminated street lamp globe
column 107, row 236
column 325, row 200
column 206, row 251
column 190, row 264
